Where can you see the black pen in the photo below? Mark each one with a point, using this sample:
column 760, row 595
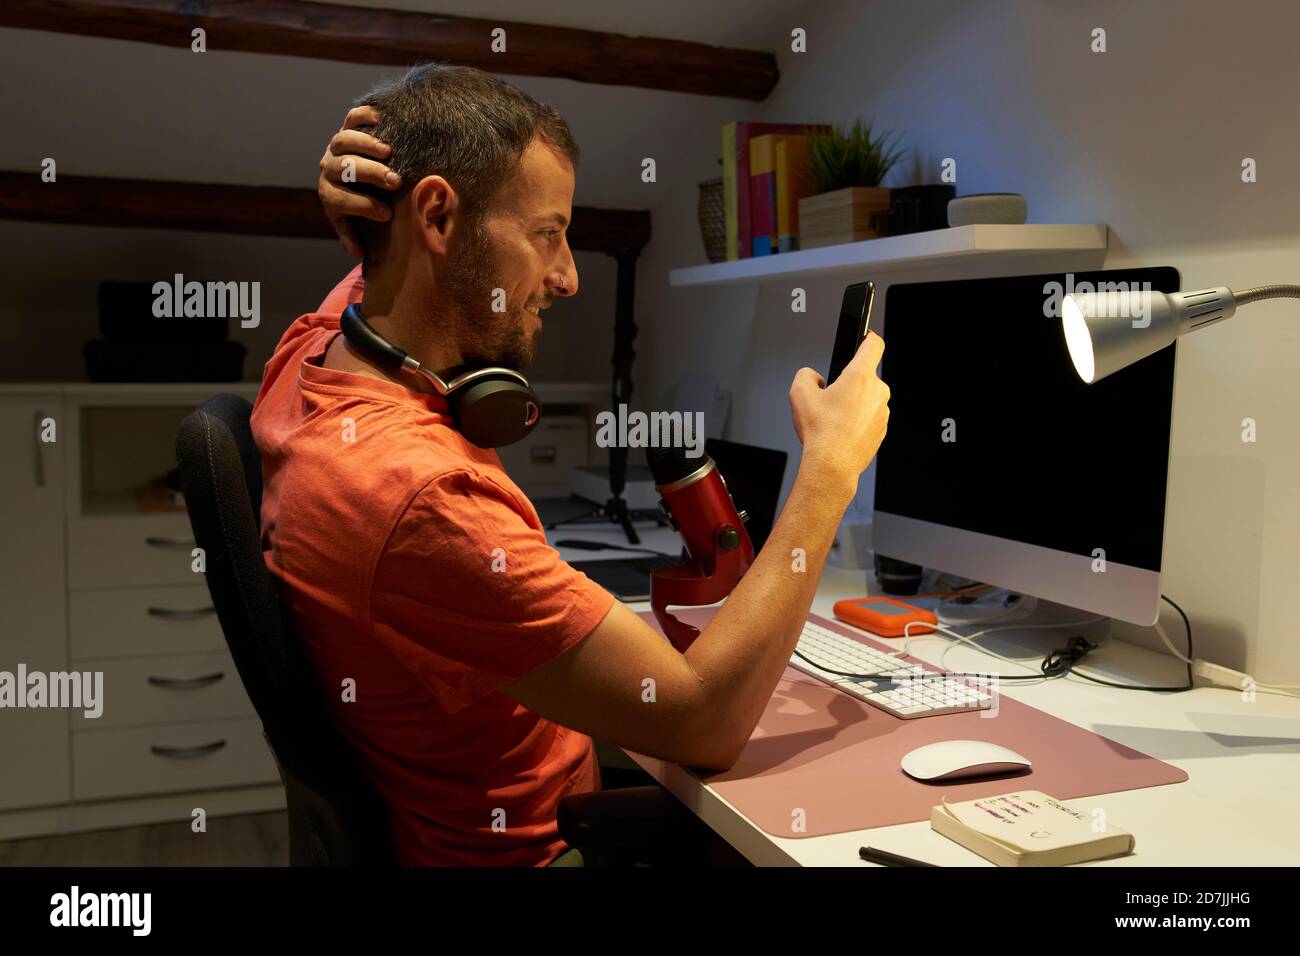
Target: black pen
column 872, row 855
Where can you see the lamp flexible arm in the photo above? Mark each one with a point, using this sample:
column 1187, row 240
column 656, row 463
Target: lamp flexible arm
column 1261, row 292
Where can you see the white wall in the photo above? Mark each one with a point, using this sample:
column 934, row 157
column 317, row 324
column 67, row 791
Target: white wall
column 119, row 109
column 1147, row 137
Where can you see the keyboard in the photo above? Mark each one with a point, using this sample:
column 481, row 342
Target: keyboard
column 911, row 693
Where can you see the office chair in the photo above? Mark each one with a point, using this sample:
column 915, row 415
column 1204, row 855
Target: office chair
column 336, row 817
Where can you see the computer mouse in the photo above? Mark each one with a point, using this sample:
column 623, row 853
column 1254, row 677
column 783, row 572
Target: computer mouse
column 958, row 759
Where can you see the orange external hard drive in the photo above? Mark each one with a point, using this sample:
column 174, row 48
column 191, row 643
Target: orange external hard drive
column 884, row 616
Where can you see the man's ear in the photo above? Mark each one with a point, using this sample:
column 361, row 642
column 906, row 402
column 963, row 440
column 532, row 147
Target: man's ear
column 433, row 201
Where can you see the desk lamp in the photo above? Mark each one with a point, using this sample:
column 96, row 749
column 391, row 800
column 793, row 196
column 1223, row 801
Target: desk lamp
column 1106, row 331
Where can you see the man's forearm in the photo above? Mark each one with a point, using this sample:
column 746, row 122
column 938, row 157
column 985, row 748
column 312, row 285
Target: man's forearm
column 740, row 656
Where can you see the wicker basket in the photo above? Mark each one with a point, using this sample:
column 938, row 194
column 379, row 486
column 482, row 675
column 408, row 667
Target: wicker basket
column 713, row 221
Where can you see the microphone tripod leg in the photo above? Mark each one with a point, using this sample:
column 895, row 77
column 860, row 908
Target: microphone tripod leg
column 616, row 508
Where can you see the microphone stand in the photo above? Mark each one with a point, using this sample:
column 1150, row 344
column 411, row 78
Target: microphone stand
column 621, row 389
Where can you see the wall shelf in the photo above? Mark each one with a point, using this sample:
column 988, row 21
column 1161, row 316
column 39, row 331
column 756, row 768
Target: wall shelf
column 965, row 245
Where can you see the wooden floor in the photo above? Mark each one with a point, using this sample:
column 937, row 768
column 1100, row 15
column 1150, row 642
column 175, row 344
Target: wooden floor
column 255, row 839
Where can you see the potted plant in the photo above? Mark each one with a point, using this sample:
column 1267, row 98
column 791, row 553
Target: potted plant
column 850, row 202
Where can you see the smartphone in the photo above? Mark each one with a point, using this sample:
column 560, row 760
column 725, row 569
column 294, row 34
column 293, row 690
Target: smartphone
column 855, row 314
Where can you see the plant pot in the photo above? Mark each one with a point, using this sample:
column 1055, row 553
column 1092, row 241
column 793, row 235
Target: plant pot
column 844, row 215
column 920, row 208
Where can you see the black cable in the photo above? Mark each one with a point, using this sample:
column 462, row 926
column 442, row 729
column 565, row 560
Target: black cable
column 921, row 676
column 1061, row 661
column 1057, row 664
column 1178, row 689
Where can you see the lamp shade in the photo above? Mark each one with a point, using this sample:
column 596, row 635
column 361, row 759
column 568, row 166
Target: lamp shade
column 1108, row 330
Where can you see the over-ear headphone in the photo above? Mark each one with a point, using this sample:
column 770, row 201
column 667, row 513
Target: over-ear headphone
column 491, row 407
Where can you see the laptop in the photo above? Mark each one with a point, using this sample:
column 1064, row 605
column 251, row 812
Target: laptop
column 753, row 476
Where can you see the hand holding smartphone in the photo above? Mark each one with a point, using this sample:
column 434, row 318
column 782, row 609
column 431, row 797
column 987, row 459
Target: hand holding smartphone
column 855, row 315
column 843, row 431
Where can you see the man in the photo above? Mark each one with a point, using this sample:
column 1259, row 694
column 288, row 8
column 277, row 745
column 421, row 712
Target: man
column 462, row 658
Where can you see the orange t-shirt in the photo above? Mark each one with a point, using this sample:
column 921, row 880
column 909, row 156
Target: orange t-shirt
column 413, row 566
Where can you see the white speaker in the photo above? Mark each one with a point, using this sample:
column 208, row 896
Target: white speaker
column 988, row 208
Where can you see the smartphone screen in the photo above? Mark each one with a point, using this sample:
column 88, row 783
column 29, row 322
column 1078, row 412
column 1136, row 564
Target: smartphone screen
column 855, row 313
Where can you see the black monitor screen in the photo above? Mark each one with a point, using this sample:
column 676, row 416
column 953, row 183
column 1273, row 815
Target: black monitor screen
column 992, row 431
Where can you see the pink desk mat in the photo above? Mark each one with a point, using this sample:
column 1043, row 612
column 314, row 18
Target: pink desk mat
column 837, row 759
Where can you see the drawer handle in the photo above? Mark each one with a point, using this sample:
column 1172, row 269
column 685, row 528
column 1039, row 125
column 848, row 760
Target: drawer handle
column 188, row 753
column 178, row 614
column 186, row 683
column 156, row 542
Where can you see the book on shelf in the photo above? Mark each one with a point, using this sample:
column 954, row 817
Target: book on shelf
column 762, row 195
column 794, row 181
column 1029, row 828
column 729, row 185
column 736, row 138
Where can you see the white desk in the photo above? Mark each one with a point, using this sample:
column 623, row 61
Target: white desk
column 653, row 538
column 1238, row 806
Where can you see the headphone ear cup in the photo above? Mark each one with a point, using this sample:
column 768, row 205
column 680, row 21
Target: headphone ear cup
column 495, row 412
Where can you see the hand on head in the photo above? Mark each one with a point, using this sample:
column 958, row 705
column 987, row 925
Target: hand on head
column 354, row 157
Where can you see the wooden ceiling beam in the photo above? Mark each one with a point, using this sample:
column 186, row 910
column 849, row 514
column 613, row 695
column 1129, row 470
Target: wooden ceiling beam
column 245, row 210
column 402, row 38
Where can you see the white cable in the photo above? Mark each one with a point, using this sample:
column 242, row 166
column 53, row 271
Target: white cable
column 1187, row 660
column 1029, row 664
column 960, row 639
column 1079, row 678
column 1014, row 627
column 968, row 639
column 1170, row 644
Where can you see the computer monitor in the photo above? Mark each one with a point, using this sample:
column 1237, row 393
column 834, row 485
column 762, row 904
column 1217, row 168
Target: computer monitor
column 1002, row 466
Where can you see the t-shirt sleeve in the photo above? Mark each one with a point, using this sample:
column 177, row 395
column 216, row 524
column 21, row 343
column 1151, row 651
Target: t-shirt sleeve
column 469, row 596
column 350, row 289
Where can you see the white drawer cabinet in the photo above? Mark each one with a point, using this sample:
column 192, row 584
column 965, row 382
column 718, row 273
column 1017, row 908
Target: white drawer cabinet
column 165, row 758
column 165, row 689
column 131, row 622
column 542, row 461
column 89, row 582
column 33, row 611
column 129, row 551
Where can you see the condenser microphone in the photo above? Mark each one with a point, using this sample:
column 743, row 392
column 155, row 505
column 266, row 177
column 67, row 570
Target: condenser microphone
column 694, row 496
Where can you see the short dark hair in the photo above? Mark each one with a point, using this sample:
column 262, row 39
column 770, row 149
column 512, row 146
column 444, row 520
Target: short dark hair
column 460, row 123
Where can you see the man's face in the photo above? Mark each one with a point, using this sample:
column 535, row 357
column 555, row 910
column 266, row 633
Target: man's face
column 520, row 247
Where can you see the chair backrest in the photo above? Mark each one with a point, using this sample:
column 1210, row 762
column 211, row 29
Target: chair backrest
column 336, row 817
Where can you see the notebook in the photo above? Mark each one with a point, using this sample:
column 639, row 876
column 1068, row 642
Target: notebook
column 1030, row 828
